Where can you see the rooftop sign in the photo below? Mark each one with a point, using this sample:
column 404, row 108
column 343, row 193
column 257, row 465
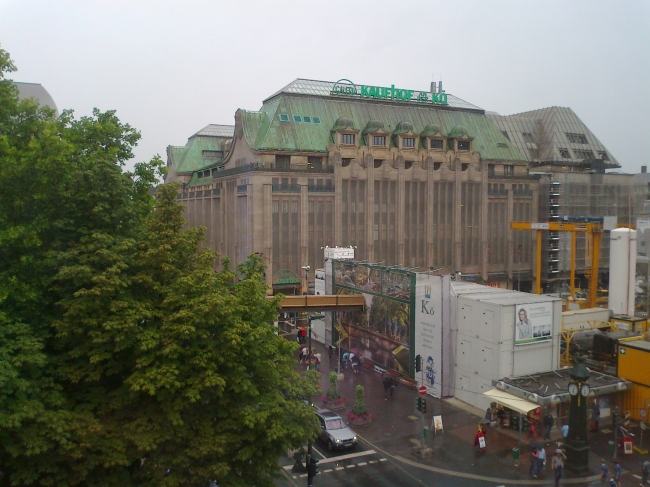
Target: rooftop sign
column 345, row 87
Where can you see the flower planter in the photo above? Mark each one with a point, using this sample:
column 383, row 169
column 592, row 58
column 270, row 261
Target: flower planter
column 361, row 421
column 334, row 406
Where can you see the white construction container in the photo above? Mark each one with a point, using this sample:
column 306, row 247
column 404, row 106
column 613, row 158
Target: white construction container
column 492, row 341
column 622, row 268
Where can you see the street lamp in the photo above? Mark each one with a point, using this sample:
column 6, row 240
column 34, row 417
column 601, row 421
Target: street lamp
column 306, row 268
column 309, row 463
column 519, row 268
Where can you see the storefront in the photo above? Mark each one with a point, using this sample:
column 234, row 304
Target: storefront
column 547, row 392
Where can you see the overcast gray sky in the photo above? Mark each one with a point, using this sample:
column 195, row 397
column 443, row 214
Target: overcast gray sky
column 170, row 68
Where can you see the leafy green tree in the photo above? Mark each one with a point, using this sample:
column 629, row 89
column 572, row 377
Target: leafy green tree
column 124, row 358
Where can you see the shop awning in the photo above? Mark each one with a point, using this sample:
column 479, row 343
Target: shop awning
column 513, row 402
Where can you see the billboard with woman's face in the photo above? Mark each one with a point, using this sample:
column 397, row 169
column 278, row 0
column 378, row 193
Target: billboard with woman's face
column 533, row 322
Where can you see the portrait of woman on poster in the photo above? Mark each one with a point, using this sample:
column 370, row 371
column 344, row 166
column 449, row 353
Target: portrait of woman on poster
column 524, row 326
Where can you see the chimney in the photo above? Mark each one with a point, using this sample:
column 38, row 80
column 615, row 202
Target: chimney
column 644, row 169
column 439, row 86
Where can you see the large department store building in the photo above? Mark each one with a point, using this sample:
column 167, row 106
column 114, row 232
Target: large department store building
column 415, row 179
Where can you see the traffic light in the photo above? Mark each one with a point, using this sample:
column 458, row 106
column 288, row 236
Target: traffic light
column 312, row 467
column 421, row 404
column 418, row 363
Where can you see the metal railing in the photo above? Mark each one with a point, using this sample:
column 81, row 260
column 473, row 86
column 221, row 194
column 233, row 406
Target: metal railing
column 285, row 188
column 320, row 189
column 272, row 166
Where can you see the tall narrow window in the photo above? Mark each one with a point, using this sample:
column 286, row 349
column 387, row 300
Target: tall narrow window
column 347, row 139
column 379, row 140
column 408, row 143
column 463, row 145
column 435, row 144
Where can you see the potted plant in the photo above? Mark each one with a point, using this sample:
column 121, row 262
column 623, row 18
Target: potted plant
column 359, row 415
column 333, row 398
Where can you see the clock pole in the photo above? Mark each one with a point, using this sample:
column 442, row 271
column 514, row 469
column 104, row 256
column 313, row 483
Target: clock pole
column 576, row 445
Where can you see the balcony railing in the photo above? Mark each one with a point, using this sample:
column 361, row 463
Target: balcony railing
column 320, row 189
column 534, row 177
column 271, row 166
column 285, row 188
column 522, row 192
column 242, row 188
column 497, row 192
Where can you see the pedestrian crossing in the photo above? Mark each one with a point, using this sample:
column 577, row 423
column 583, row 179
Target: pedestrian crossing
column 335, row 468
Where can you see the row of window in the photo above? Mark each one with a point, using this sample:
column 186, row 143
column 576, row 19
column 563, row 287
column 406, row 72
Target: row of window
column 571, row 137
column 299, row 118
column 407, row 142
column 576, row 138
column 286, row 206
column 582, row 154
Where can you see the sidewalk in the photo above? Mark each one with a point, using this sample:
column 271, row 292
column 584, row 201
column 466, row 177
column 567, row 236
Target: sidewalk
column 397, row 426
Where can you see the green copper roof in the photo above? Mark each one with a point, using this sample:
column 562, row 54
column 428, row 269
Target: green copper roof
column 191, row 157
column 264, row 130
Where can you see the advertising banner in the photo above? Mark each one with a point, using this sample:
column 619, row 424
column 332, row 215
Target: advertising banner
column 428, row 331
column 319, row 282
column 533, row 323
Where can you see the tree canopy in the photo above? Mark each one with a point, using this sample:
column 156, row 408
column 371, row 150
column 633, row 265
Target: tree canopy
column 125, row 358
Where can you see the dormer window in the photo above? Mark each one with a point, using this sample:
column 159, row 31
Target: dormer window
column 347, row 139
column 435, row 144
column 408, row 142
column 379, row 141
column 463, row 145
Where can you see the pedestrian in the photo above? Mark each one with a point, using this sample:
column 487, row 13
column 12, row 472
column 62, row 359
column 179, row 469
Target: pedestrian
column 548, row 425
column 604, row 473
column 558, row 465
column 541, row 459
column 501, row 414
column 304, row 355
column 393, row 384
column 533, row 462
column 532, row 432
column 565, row 430
column 351, row 359
column 617, row 473
column 317, row 359
column 330, row 352
column 595, row 416
column 386, row 383
column 645, row 472
column 355, row 364
column 345, row 359
column 361, row 364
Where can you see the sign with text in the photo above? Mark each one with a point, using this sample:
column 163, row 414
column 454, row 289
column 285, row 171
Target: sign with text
column 428, row 330
column 345, row 87
column 339, row 253
column 533, row 323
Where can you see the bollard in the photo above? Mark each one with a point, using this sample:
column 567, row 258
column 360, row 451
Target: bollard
column 425, row 433
column 515, row 453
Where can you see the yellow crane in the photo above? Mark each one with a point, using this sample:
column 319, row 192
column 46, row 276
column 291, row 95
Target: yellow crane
column 593, row 230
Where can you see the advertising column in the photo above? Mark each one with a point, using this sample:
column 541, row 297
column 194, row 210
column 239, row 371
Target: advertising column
column 428, row 331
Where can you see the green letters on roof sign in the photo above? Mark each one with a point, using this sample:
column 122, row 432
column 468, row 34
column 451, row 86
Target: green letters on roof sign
column 345, row 87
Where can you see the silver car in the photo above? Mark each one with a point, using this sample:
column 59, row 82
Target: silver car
column 335, row 432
